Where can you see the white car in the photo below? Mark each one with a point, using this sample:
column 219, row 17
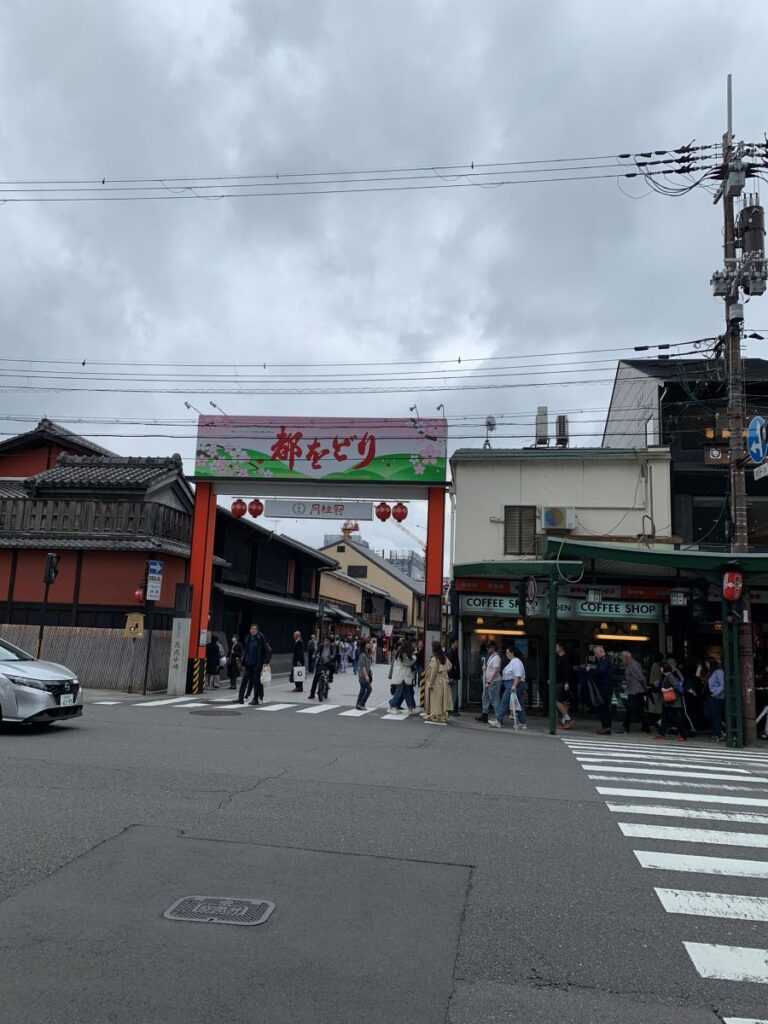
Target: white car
column 36, row 691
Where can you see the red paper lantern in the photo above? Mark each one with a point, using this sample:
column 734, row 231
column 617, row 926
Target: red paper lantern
column 238, row 508
column 383, row 511
column 256, row 508
column 732, row 585
column 399, row 512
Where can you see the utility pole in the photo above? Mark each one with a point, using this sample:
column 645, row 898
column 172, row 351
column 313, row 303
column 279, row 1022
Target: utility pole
column 732, row 186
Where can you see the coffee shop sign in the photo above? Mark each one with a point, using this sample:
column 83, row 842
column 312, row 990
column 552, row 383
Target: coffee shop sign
column 567, row 607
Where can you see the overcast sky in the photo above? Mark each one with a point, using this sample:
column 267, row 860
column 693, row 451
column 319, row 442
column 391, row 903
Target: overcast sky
column 160, row 89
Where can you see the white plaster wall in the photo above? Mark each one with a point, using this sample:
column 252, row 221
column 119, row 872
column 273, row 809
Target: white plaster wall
column 610, row 497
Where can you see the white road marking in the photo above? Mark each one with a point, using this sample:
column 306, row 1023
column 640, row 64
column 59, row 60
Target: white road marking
column 689, row 812
column 674, row 773
column 318, row 708
column 743, row 1020
column 694, row 835
column 714, row 753
column 731, row 866
column 729, row 963
column 701, row 798
column 273, row 707
column 619, row 762
column 394, row 718
column 105, row 702
column 714, row 904
column 356, row 712
column 164, row 700
column 197, row 704
column 682, row 782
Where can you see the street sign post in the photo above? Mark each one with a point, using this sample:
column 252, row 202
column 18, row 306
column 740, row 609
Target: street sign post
column 154, row 579
column 757, row 439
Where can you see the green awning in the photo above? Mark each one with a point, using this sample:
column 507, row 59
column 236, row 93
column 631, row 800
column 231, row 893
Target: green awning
column 514, row 570
column 667, row 560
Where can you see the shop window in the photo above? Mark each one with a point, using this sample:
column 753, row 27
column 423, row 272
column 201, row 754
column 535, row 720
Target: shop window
column 358, row 572
column 519, row 529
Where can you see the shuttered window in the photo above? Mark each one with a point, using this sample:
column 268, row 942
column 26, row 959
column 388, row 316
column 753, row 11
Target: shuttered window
column 519, row 529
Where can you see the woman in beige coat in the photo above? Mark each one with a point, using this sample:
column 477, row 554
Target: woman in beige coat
column 437, row 689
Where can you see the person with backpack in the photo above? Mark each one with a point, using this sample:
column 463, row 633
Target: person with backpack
column 672, row 687
column 255, row 657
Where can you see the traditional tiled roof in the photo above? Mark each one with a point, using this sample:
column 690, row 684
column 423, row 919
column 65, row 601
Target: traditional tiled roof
column 12, row 488
column 47, row 431
column 91, row 542
column 93, row 472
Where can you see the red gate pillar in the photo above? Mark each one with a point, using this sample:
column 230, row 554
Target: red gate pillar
column 433, row 611
column 201, row 578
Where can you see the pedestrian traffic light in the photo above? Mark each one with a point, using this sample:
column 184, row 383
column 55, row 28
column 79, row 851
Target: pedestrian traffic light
column 51, row 569
column 139, row 593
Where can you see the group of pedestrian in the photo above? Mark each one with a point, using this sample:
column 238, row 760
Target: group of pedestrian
column 663, row 702
column 251, row 658
column 437, row 681
column 503, row 688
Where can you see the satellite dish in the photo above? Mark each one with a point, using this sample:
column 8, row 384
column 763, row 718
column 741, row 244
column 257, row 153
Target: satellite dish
column 490, row 426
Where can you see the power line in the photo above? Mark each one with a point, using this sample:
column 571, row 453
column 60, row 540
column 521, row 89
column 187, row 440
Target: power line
column 681, row 153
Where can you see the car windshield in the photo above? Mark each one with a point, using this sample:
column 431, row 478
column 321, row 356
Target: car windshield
column 10, row 653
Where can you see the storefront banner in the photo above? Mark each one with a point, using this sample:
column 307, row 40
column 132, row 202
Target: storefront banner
column 496, row 604
column 646, row 610
column 567, row 608
column 287, row 508
column 328, row 449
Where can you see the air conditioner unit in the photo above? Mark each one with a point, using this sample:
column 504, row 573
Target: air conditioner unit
column 558, row 517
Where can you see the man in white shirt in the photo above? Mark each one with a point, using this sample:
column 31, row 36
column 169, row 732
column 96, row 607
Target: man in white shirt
column 513, row 681
column 491, row 681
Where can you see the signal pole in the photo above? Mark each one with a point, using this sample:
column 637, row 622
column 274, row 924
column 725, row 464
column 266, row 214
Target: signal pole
column 732, row 186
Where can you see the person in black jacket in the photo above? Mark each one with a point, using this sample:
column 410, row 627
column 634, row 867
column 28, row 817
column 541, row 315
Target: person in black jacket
column 254, row 655
column 563, row 675
column 213, row 653
column 454, row 676
column 298, row 662
column 601, row 674
column 235, row 661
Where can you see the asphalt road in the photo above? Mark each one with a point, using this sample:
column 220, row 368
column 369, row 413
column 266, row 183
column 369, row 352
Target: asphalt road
column 419, row 873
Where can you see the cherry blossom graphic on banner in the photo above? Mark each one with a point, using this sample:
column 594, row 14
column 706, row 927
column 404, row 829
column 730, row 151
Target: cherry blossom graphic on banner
column 329, row 449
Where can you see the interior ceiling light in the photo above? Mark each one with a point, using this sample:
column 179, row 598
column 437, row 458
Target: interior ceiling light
column 500, row 632
column 635, row 638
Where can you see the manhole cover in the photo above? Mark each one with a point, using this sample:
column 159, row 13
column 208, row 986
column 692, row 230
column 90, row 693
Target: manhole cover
column 213, row 711
column 219, row 910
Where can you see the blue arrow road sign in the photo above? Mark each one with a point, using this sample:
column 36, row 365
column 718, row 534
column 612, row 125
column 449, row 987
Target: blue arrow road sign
column 756, row 439
column 155, row 567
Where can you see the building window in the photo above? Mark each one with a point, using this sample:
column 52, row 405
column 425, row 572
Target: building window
column 519, row 529
column 340, row 549
column 358, row 572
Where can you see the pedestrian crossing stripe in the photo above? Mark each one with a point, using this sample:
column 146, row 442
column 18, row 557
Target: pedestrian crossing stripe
column 729, row 963
column 674, row 795
column 659, row 811
column 714, row 904
column 730, row 866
